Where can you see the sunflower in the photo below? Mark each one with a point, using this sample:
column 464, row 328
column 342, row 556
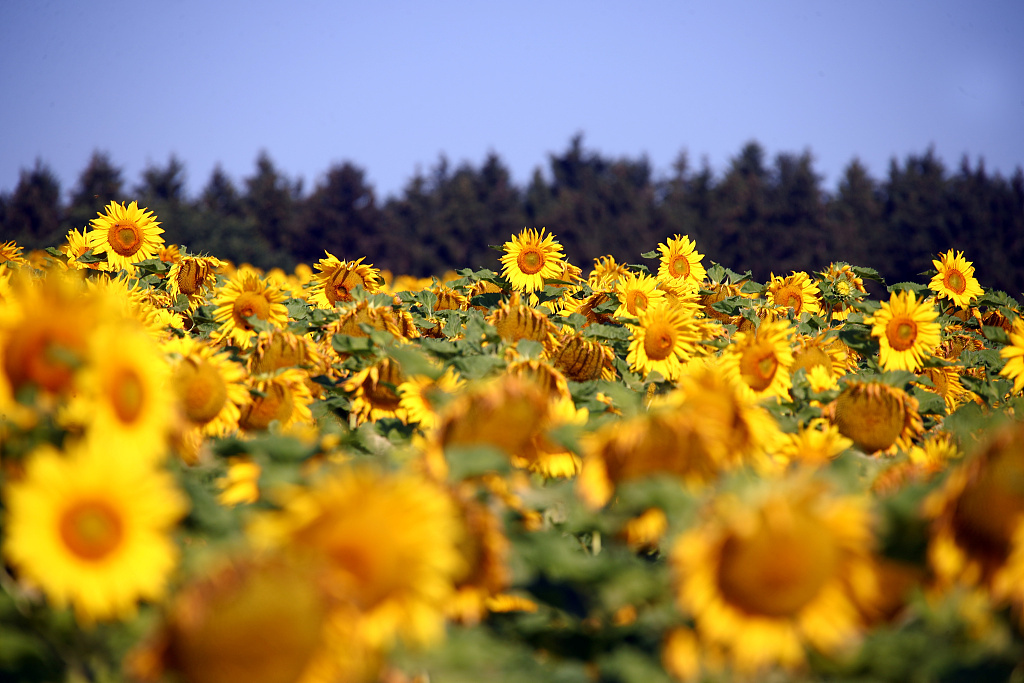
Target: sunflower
column 876, row 416
column 421, row 397
column 75, row 247
column 10, row 252
column 529, row 258
column 795, row 291
column 546, row 456
column 485, row 549
column 907, row 331
column 126, row 235
column 823, row 351
column 766, row 575
column 1013, row 353
column 946, row 383
column 192, row 277
column 389, row 544
column 515, row 320
column 352, row 316
column 240, row 484
column 760, row 359
column 977, row 515
column 815, row 443
column 636, row 292
column 218, row 626
column 842, row 287
column 955, row 280
column 606, row 273
column 374, row 392
column 92, row 528
column 283, row 397
column 581, row 359
column 247, row 295
column 207, row 385
column 680, row 266
column 46, row 325
column 122, row 393
column 336, row 280
column 665, row 338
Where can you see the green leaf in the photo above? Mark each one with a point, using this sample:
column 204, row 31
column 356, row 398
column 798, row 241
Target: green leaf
column 469, row 461
column 477, row 367
column 867, row 274
column 346, row 343
column 919, row 291
column 651, row 254
column 995, row 334
column 599, row 331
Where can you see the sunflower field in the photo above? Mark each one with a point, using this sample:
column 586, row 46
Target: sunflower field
column 655, row 471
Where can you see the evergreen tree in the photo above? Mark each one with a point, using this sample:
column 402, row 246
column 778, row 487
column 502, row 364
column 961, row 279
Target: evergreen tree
column 271, row 202
column 797, row 216
column 164, row 186
column 98, row 185
column 220, row 196
column 916, row 212
column 340, row 216
column 32, row 213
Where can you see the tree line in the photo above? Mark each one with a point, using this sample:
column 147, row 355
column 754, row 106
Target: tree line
column 766, row 216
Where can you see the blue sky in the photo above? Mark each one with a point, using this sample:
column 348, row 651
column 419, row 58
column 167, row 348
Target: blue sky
column 390, row 86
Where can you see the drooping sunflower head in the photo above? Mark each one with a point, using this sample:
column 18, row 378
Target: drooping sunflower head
column 769, row 574
column 815, row 443
column 529, row 258
column 680, row 263
column 581, row 359
column 352, row 316
column 126, row 234
column 92, row 528
column 76, row 246
column 796, row 291
column 907, row 331
column 336, row 279
column 665, row 338
column 955, row 279
column 283, row 397
column 515, row 320
column 193, row 276
column 245, row 296
column 828, row 353
column 876, row 416
column 485, row 549
column 375, row 392
column 760, row 360
column 978, row 514
column 636, row 292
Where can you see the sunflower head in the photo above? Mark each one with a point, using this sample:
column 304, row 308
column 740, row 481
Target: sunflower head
column 907, row 331
column 955, row 279
column 581, row 359
column 664, row 339
column 876, row 416
column 126, row 234
column 767, row 575
column 515, row 320
column 337, row 279
column 374, row 392
column 680, row 263
column 529, row 258
column 760, row 359
column 795, row 291
column 636, row 293
column 192, row 276
column 606, row 273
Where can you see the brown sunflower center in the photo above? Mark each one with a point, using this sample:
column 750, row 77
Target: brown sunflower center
column 91, row 529
column 758, row 366
column 127, row 395
column 636, row 301
column 679, row 266
column 901, row 333
column 530, row 260
column 277, row 404
column 659, row 342
column 201, row 390
column 125, row 238
column 955, row 281
column 791, row 296
column 779, row 570
column 250, row 304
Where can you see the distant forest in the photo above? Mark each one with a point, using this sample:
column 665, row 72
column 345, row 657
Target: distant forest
column 760, row 215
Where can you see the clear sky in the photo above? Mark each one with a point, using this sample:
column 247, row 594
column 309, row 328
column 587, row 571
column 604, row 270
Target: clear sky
column 390, row 86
